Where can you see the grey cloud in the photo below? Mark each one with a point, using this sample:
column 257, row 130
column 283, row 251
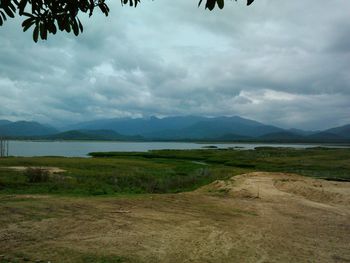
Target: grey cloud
column 286, row 64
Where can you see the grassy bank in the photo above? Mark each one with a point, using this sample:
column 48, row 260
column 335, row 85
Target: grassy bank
column 165, row 171
column 106, row 176
column 327, row 163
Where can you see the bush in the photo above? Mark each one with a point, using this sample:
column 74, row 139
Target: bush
column 36, row 175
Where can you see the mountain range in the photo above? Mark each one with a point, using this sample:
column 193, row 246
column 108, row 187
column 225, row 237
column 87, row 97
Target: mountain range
column 180, row 128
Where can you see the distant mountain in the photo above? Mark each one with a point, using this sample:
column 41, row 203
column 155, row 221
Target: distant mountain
column 218, row 127
column 92, row 135
column 139, row 126
column 319, row 137
column 182, row 127
column 343, row 131
column 230, row 137
column 25, row 129
column 283, row 136
column 326, row 136
column 301, row 132
column 4, row 122
column 204, row 128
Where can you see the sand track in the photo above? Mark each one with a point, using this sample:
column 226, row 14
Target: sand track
column 256, row 217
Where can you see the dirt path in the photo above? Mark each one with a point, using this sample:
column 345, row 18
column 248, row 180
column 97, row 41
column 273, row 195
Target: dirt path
column 257, row 217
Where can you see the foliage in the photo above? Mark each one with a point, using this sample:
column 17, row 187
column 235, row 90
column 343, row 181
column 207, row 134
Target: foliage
column 210, row 4
column 36, row 175
column 49, row 16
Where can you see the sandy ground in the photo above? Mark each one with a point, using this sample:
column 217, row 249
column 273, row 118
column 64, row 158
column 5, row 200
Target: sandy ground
column 256, row 217
column 51, row 170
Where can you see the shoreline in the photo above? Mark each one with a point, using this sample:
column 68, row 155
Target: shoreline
column 345, row 144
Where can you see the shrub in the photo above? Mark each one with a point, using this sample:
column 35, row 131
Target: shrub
column 36, row 175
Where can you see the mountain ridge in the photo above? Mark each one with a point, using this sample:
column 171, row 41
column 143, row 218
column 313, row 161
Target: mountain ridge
column 25, row 128
column 186, row 128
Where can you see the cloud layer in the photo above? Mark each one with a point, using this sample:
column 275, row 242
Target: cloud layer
column 285, row 64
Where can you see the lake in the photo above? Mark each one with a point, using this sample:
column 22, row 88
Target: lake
column 82, row 148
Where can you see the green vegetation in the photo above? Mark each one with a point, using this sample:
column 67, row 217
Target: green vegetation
column 326, row 163
column 36, row 175
column 101, row 176
column 164, row 171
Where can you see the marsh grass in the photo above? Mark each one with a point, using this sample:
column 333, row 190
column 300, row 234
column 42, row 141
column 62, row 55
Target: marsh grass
column 108, row 176
column 166, row 171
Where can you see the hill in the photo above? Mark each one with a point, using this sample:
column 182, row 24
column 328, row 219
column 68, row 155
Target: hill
column 182, row 127
column 4, row 122
column 326, row 136
column 283, row 136
column 139, row 126
column 25, row 129
column 343, row 131
column 105, row 135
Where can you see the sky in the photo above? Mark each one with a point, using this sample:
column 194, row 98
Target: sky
column 286, row 64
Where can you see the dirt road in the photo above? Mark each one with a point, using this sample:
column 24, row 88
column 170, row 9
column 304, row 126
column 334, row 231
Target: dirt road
column 257, row 217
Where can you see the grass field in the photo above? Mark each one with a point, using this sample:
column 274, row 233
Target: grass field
column 166, row 171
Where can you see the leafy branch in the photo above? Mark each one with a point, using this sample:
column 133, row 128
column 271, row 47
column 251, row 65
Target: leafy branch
column 49, row 16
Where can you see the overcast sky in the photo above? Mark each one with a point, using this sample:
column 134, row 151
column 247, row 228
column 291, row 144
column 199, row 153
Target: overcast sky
column 286, row 64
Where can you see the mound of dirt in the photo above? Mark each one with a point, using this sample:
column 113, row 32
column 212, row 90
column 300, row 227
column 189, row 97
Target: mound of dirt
column 314, row 190
column 269, row 185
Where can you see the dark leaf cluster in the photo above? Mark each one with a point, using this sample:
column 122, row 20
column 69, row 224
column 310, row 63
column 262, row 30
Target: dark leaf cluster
column 49, row 16
column 210, row 4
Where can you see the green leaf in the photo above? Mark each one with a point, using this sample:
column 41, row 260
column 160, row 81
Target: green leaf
column 52, row 27
column 67, row 25
column 43, row 31
column 2, row 14
column 80, row 25
column 36, row 33
column 12, row 7
column 28, row 14
column 75, row 27
column 60, row 23
column 220, row 3
column 8, row 11
column 28, row 23
column 104, row 8
column 210, row 4
column 22, row 6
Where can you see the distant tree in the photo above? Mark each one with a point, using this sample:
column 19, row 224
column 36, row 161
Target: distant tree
column 49, row 16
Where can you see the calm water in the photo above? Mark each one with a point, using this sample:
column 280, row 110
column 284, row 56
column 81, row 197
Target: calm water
column 81, row 149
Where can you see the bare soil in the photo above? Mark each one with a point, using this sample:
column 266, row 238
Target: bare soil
column 256, row 217
column 51, row 170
